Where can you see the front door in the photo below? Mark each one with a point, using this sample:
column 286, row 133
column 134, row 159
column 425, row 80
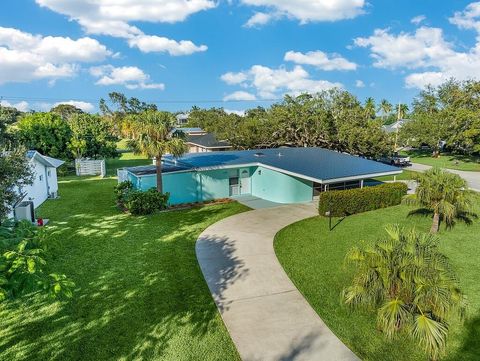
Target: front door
column 244, row 181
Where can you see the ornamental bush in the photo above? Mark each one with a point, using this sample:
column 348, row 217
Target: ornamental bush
column 122, row 191
column 141, row 203
column 352, row 201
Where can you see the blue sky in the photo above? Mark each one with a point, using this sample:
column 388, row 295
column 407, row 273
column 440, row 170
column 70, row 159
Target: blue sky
column 235, row 54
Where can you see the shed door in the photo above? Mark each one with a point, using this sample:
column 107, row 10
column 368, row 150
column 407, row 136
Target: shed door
column 244, row 181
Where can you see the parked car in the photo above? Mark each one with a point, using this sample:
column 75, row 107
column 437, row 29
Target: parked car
column 396, row 159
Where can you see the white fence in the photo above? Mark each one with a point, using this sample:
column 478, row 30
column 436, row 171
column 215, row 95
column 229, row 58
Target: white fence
column 90, row 167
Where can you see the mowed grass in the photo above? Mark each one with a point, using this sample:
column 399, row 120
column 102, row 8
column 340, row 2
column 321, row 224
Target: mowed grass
column 405, row 175
column 445, row 160
column 140, row 294
column 313, row 257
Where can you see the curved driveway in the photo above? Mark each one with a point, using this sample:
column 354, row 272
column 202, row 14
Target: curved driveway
column 266, row 316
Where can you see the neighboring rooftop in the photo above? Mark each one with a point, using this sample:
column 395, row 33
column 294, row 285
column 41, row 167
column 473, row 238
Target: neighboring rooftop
column 45, row 160
column 316, row 164
column 391, row 128
column 207, row 140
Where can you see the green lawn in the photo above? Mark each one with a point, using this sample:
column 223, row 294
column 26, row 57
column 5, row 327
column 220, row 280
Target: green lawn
column 405, row 175
column 126, row 159
column 445, row 160
column 313, row 258
column 140, row 294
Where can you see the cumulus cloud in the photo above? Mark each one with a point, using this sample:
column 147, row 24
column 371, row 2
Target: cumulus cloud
column 237, row 112
column 426, row 51
column 130, row 77
column 25, row 57
column 239, row 96
column 112, row 18
column 305, row 11
column 153, row 43
column 271, row 83
column 85, row 106
column 23, row 106
column 320, row 60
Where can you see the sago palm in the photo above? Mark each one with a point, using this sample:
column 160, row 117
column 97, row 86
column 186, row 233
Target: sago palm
column 410, row 284
column 155, row 136
column 444, row 194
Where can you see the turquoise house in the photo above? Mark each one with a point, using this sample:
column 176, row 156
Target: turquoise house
column 281, row 175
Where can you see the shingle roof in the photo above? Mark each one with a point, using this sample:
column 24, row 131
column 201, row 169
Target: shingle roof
column 45, row 160
column 207, row 140
column 310, row 163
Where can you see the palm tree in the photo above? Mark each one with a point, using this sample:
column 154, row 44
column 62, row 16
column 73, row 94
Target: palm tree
column 385, row 107
column 410, row 283
column 155, row 136
column 444, row 194
column 369, row 108
column 402, row 111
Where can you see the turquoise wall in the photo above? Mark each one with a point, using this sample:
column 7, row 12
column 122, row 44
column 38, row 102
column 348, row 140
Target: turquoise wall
column 281, row 188
column 190, row 187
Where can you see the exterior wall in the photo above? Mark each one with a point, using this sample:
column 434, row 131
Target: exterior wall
column 281, row 188
column 38, row 191
column 188, row 187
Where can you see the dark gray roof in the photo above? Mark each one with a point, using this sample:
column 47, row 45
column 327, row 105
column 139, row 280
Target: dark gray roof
column 207, row 140
column 317, row 164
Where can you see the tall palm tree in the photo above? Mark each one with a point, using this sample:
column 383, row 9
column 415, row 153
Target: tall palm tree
column 155, row 136
column 385, row 107
column 369, row 108
column 410, row 283
column 402, row 111
column 444, row 194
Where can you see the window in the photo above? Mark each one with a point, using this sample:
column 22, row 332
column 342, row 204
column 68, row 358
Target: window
column 49, row 173
column 40, row 178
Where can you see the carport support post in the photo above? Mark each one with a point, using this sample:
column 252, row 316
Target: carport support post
column 361, row 183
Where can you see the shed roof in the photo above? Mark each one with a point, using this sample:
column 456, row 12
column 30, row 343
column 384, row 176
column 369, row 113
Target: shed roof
column 43, row 159
column 316, row 164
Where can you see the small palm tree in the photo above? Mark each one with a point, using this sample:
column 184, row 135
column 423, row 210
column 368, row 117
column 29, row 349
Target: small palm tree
column 369, row 108
column 155, row 136
column 385, row 107
column 444, row 194
column 410, row 283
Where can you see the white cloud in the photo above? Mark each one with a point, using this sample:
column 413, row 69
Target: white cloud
column 237, row 112
column 153, row 43
column 359, row 84
column 25, row 57
column 320, row 60
column 85, row 106
column 418, row 19
column 234, row 78
column 23, row 106
column 469, row 18
column 130, row 77
column 271, row 83
column 239, row 96
column 260, row 19
column 113, row 17
column 427, row 52
column 305, row 10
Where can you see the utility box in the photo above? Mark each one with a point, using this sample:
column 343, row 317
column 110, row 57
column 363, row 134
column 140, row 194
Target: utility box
column 25, row 211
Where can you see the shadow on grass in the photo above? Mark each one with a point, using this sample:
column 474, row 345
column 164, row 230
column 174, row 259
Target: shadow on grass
column 140, row 292
column 470, row 349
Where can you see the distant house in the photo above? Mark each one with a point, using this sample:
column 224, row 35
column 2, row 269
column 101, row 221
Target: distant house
column 44, row 184
column 182, row 119
column 281, row 175
column 199, row 141
column 395, row 127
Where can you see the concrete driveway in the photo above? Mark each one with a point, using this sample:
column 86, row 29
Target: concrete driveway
column 472, row 178
column 266, row 316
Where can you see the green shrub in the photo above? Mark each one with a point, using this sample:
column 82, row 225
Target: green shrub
column 122, row 191
column 148, row 202
column 351, row 201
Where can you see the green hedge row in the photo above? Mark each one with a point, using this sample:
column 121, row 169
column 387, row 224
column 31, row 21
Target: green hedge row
column 358, row 200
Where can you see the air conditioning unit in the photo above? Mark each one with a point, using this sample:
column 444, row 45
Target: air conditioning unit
column 25, row 211
column 53, row 195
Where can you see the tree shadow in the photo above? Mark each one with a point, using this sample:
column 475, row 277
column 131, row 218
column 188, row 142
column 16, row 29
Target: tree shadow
column 470, row 348
column 140, row 291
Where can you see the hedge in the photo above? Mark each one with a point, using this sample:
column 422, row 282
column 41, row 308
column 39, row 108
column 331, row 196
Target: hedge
column 358, row 200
